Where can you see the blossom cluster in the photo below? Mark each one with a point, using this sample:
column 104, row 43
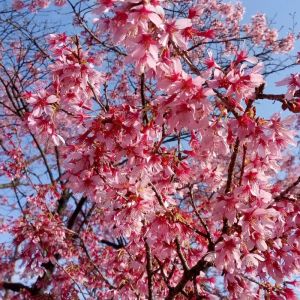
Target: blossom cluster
column 167, row 178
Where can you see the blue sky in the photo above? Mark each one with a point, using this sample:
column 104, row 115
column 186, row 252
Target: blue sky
column 280, row 11
column 280, row 8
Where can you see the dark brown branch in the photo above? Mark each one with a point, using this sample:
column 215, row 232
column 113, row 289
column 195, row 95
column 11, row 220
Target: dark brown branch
column 62, row 201
column 19, row 287
column 188, row 60
column 58, row 162
column 144, row 101
column 274, row 97
column 157, row 194
column 181, row 256
column 149, row 269
column 121, row 243
column 76, row 212
column 202, row 265
column 243, row 164
column 287, row 190
column 292, row 104
column 231, row 165
column 230, row 177
column 16, row 286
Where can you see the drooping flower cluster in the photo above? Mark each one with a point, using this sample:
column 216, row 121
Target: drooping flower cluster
column 74, row 83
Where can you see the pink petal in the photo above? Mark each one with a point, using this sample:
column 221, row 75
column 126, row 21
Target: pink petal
column 183, row 23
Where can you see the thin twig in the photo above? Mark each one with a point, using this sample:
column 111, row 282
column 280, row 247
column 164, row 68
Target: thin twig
column 288, row 189
column 210, row 242
column 181, row 256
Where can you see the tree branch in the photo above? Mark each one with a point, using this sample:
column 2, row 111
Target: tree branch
column 231, row 165
column 181, row 256
column 19, row 287
column 76, row 212
column 149, row 269
column 202, row 265
column 144, row 101
column 287, row 190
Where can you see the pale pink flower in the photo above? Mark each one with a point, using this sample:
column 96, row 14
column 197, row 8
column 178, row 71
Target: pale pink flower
column 140, row 15
column 41, row 103
column 228, row 254
column 293, row 83
column 172, row 32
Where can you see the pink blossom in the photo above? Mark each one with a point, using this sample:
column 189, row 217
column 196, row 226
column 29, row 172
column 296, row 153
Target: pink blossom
column 135, row 161
column 228, row 254
column 173, row 32
column 293, row 83
column 42, row 103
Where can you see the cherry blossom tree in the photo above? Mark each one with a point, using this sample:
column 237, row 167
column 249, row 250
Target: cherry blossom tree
column 133, row 163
